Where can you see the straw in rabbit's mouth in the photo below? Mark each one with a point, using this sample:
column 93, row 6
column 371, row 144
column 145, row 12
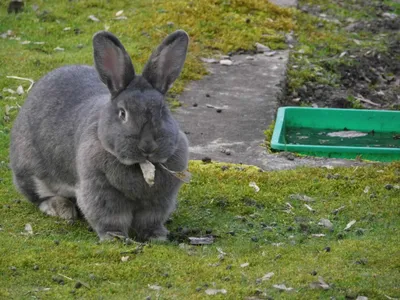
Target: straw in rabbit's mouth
column 149, row 171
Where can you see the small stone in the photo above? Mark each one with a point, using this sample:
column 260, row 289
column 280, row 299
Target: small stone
column 79, row 46
column 218, row 110
column 388, row 187
column 35, row 267
column 225, row 62
column 195, row 104
column 254, row 239
column 206, row 160
column 208, row 231
column 231, row 233
column 78, row 285
column 327, row 249
column 262, row 48
column 314, row 273
column 249, row 57
column 208, row 95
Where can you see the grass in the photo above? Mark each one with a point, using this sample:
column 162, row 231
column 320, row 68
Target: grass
column 61, row 260
column 320, row 42
column 362, row 261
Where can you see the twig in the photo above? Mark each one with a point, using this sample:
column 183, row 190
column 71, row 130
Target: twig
column 69, row 278
column 362, row 99
column 26, row 79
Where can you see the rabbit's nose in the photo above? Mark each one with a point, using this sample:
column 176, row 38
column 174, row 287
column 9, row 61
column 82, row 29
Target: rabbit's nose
column 147, row 148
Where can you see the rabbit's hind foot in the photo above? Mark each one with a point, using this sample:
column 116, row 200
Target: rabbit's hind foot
column 59, row 207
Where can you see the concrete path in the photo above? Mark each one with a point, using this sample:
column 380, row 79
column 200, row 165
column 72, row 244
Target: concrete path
column 225, row 114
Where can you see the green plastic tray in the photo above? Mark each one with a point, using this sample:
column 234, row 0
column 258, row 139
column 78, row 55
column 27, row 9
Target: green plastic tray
column 311, row 131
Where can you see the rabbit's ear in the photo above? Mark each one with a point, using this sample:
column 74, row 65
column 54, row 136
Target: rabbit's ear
column 166, row 62
column 112, row 62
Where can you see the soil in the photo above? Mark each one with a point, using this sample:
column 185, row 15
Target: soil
column 370, row 79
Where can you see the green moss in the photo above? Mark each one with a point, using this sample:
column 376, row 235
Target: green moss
column 363, row 262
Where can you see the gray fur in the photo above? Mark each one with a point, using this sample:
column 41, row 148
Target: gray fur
column 79, row 139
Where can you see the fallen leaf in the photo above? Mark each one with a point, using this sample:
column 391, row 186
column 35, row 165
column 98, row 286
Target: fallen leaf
column 209, row 60
column 124, row 258
column 267, row 276
column 58, row 49
column 20, row 90
column 215, row 291
column 326, row 223
column 121, row 18
column 245, row 265
column 118, row 13
column 262, row 48
column 154, row 287
column 28, row 228
column 225, row 62
column 67, row 29
column 93, row 18
column 282, row 287
column 351, row 223
column 254, row 186
column 309, row 208
column 318, row 235
column 301, row 197
column 201, row 240
column 320, row 284
column 148, row 170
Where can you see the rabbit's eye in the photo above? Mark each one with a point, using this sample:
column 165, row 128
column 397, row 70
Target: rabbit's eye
column 122, row 114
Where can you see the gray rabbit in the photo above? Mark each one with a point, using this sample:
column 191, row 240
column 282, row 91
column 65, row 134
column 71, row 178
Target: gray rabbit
column 80, row 136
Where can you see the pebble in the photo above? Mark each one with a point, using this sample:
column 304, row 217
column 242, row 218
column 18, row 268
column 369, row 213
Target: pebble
column 254, row 239
column 36, row 267
column 225, row 62
column 78, row 285
column 206, row 160
column 219, row 110
column 327, row 249
column 388, row 187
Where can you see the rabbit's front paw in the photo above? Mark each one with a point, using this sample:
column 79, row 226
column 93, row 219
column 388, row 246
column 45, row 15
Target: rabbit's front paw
column 59, row 207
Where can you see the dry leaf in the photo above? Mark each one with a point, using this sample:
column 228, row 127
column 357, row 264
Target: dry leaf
column 93, row 18
column 225, row 62
column 208, row 60
column 254, row 186
column 154, row 287
column 318, row 235
column 28, row 228
column 326, row 223
column 118, row 13
column 201, row 240
column 245, row 265
column 300, row 197
column 58, row 49
column 309, row 208
column 282, row 287
column 148, row 170
column 124, row 258
column 215, row 291
column 20, row 90
column 267, row 276
column 320, row 284
column 351, row 223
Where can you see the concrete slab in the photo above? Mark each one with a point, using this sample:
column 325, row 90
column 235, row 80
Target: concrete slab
column 225, row 114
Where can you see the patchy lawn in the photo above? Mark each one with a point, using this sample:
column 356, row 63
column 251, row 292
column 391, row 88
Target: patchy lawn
column 256, row 234
column 271, row 231
column 347, row 55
